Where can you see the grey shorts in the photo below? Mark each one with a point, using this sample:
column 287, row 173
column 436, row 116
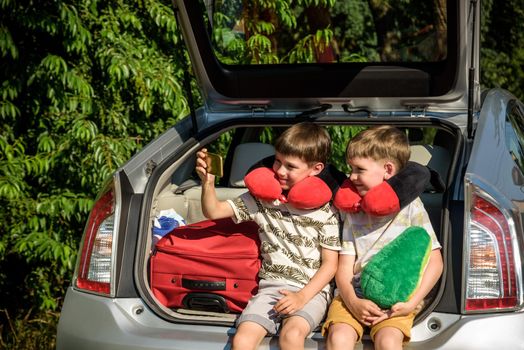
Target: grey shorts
column 260, row 308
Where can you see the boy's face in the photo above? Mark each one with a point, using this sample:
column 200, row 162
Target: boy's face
column 291, row 170
column 368, row 173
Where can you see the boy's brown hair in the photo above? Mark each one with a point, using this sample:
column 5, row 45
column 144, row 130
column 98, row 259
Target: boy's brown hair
column 307, row 141
column 380, row 143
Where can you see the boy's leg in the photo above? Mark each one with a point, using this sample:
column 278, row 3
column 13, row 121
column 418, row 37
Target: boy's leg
column 258, row 318
column 293, row 333
column 389, row 338
column 393, row 332
column 341, row 336
column 248, row 336
column 295, row 328
column 343, row 330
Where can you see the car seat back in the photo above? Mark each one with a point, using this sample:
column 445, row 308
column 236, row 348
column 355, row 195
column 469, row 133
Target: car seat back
column 245, row 156
column 438, row 159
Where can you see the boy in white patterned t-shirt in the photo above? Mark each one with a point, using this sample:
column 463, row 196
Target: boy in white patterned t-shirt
column 375, row 155
column 299, row 247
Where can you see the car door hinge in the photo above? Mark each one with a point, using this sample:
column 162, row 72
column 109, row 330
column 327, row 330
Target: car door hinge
column 418, row 111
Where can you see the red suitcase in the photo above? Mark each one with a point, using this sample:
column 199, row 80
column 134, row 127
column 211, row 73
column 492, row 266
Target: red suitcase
column 210, row 266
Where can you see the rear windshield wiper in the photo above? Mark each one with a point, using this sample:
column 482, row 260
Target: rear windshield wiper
column 320, row 109
column 347, row 109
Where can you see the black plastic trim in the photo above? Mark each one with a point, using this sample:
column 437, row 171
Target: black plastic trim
column 131, row 203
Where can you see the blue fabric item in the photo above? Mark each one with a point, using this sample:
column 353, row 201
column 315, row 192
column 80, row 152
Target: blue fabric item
column 166, row 225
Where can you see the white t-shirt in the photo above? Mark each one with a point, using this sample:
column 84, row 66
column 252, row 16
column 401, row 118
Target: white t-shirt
column 361, row 231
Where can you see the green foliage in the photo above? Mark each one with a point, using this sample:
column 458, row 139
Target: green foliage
column 340, row 135
column 311, row 31
column 264, row 33
column 502, row 52
column 29, row 331
column 84, row 85
column 221, row 145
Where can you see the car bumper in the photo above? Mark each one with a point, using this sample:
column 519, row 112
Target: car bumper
column 93, row 322
column 488, row 331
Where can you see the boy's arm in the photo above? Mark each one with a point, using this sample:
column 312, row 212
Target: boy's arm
column 211, row 206
column 363, row 310
column 429, row 279
column 344, row 276
column 292, row 302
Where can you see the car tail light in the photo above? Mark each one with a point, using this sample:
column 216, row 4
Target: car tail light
column 492, row 280
column 95, row 265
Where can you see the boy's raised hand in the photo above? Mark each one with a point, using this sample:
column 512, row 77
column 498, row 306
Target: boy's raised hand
column 201, row 167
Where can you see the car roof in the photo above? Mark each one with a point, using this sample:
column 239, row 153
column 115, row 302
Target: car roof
column 412, row 79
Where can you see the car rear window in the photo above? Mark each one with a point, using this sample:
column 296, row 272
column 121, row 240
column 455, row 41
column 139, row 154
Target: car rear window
column 327, row 31
column 304, row 49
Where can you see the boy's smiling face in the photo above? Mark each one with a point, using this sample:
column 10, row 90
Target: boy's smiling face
column 367, row 173
column 291, row 169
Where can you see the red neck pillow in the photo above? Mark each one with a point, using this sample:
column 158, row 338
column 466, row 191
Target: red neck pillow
column 331, row 184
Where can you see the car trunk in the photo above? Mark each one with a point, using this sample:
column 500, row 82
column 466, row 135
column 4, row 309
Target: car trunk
column 174, row 187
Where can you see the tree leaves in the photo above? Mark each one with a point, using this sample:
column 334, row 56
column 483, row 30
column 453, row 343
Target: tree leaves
column 7, row 45
column 84, row 85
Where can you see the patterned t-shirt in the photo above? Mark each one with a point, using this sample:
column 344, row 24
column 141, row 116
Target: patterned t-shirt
column 291, row 238
column 361, row 231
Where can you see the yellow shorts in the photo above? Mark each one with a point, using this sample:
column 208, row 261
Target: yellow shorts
column 339, row 313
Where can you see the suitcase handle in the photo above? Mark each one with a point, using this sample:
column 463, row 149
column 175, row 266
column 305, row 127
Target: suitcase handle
column 203, row 284
column 205, row 302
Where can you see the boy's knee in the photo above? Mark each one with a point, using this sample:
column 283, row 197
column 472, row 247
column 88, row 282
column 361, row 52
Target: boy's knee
column 243, row 341
column 341, row 336
column 248, row 336
column 388, row 338
column 293, row 332
column 291, row 339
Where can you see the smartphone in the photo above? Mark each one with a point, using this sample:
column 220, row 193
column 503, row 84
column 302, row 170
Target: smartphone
column 214, row 164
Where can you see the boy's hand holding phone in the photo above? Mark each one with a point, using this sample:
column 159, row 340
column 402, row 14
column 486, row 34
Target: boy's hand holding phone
column 214, row 164
column 207, row 165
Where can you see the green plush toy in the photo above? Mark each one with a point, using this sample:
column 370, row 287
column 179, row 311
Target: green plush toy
column 394, row 273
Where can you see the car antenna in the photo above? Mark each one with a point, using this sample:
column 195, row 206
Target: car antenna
column 472, row 69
